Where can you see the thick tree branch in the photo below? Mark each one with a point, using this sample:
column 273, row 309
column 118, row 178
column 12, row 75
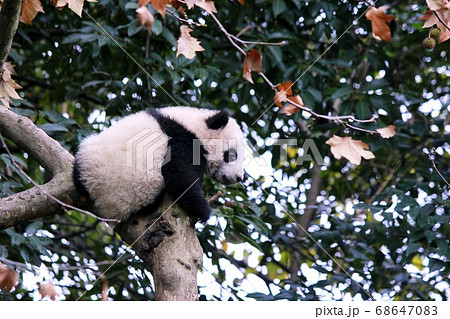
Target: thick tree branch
column 31, row 139
column 9, row 21
column 36, row 202
column 167, row 242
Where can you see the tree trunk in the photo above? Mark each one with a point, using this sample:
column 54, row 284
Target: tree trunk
column 166, row 240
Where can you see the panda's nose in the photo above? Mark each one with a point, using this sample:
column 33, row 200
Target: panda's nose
column 239, row 179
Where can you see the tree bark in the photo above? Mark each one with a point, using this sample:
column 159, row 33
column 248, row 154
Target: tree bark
column 9, row 21
column 166, row 240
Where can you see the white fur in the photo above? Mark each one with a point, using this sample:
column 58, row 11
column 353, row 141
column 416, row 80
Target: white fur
column 118, row 189
column 214, row 141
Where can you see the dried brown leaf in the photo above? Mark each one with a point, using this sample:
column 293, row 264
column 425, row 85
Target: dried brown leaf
column 349, row 148
column 8, row 278
column 284, row 90
column 186, row 44
column 379, row 19
column 29, row 10
column 290, row 108
column 160, row 6
column 208, row 6
column 145, row 18
column 143, row 2
column 74, row 5
column 8, row 86
column 190, row 3
column 431, row 20
column 6, row 71
column 252, row 62
column 387, row 132
column 48, row 289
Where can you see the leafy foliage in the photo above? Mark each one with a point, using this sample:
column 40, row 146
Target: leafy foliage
column 379, row 230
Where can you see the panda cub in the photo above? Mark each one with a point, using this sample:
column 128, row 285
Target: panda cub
column 126, row 167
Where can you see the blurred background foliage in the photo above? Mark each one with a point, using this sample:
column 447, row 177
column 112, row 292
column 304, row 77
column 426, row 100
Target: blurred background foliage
column 378, row 230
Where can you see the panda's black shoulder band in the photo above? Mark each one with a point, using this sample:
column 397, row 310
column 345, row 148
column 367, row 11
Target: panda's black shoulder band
column 218, row 120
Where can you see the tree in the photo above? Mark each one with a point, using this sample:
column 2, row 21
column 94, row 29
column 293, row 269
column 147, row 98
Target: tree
column 375, row 230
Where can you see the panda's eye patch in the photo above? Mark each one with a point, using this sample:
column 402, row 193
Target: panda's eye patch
column 230, row 155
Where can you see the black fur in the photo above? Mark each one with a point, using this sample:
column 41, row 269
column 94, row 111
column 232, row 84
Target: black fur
column 76, row 174
column 218, row 121
column 183, row 180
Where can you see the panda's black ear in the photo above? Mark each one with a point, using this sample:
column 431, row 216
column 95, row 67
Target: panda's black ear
column 218, row 120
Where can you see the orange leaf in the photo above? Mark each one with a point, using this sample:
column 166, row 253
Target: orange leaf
column 160, row 6
column 290, row 108
column 349, row 148
column 29, row 10
column 241, row 2
column 379, row 19
column 431, row 20
column 178, row 5
column 284, row 90
column 387, row 132
column 8, row 278
column 143, row 2
column 252, row 62
column 145, row 18
column 188, row 45
column 48, row 289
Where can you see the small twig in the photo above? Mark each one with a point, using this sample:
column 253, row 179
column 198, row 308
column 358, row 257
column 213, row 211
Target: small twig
column 359, row 128
column 228, row 35
column 431, row 157
column 386, row 181
column 244, row 30
column 340, row 119
column 244, row 42
column 215, row 197
column 64, row 205
column 337, row 118
column 274, row 87
column 188, row 21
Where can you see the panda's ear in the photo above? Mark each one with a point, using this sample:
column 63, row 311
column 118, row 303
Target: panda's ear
column 218, row 120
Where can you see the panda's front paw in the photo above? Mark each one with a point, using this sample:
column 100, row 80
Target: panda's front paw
column 204, row 214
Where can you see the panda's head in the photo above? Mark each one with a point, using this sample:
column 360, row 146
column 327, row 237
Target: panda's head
column 225, row 147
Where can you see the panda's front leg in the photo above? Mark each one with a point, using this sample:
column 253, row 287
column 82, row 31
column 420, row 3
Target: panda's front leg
column 184, row 184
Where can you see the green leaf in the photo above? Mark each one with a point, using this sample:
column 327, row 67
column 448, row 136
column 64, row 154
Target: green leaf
column 16, row 238
column 51, row 128
column 33, row 228
column 278, row 6
column 3, row 251
column 37, row 245
column 317, row 95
